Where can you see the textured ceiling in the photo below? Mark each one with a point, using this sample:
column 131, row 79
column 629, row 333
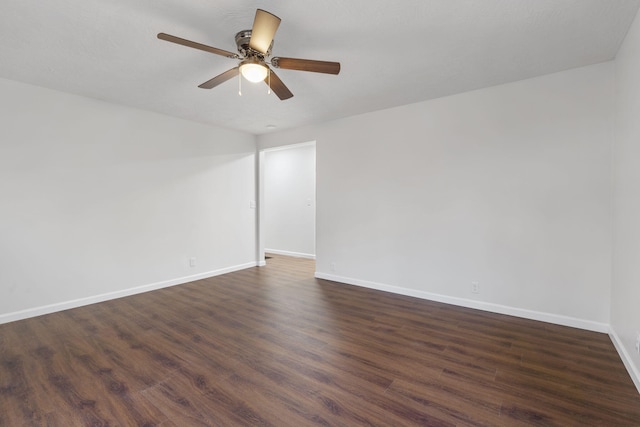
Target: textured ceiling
column 392, row 53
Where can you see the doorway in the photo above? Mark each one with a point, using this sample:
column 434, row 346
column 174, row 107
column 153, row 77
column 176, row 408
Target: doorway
column 287, row 201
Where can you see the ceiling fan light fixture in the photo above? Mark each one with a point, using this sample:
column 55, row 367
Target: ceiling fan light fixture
column 254, row 53
column 254, row 71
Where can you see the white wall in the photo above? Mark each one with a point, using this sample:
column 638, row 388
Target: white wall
column 508, row 186
column 290, row 200
column 98, row 200
column 625, row 307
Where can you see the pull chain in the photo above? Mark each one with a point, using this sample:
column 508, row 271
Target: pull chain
column 269, row 77
column 240, row 84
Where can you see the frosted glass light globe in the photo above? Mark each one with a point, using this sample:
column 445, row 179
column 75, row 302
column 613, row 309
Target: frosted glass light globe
column 254, row 72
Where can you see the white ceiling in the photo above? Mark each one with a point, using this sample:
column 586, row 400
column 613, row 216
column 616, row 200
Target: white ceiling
column 392, row 53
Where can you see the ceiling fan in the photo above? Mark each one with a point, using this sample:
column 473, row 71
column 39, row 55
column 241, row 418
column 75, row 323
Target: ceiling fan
column 254, row 47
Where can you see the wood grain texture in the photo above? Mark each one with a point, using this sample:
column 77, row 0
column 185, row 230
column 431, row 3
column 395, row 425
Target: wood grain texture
column 272, row 346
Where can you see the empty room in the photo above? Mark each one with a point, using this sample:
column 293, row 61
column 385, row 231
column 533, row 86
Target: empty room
column 460, row 242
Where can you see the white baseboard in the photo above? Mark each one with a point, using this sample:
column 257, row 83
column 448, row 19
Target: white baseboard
column 626, row 358
column 288, row 253
column 479, row 305
column 52, row 308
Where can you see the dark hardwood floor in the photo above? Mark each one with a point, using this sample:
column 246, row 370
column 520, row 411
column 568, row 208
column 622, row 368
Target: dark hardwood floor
column 273, row 346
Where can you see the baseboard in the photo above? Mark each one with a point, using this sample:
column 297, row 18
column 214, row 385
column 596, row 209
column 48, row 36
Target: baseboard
column 288, row 253
column 626, row 358
column 52, row 308
column 479, row 305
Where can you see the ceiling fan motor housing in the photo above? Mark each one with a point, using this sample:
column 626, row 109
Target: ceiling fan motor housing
column 242, row 42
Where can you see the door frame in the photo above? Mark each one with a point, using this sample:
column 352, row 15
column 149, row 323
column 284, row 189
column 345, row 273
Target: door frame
column 260, row 187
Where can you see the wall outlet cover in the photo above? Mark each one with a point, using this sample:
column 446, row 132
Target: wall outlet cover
column 475, row 287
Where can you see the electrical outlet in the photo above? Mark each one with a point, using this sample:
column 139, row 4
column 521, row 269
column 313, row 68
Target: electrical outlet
column 475, row 287
column 638, row 343
column 333, row 266
column 192, row 262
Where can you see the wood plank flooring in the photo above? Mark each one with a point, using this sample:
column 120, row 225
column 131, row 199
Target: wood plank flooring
column 272, row 346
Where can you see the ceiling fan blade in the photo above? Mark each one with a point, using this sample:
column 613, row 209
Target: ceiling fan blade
column 220, row 78
column 277, row 86
column 264, row 28
column 306, row 65
column 189, row 43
